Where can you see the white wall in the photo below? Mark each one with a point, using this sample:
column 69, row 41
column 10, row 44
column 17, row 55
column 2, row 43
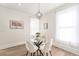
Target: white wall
column 11, row 37
column 50, row 19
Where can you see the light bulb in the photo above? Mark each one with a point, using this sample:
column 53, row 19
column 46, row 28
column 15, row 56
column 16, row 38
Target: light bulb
column 39, row 14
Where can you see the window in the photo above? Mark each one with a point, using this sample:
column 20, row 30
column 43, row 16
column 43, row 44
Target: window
column 66, row 26
column 34, row 26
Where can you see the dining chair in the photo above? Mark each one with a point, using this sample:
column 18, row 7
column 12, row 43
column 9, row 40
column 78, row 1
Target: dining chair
column 31, row 48
column 47, row 48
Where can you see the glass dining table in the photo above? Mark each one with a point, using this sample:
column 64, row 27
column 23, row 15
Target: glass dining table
column 38, row 44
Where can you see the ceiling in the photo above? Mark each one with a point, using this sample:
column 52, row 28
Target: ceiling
column 31, row 8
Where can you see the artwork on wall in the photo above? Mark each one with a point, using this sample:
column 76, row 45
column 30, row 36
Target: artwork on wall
column 16, row 24
column 45, row 25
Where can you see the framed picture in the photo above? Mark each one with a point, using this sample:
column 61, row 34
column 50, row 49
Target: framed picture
column 45, row 25
column 16, row 24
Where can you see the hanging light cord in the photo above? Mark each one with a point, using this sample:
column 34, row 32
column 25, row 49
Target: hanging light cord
column 39, row 14
column 39, row 7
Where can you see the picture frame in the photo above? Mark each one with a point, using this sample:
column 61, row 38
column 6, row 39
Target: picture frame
column 45, row 25
column 16, row 24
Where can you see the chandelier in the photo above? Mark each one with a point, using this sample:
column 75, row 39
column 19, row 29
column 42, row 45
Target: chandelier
column 39, row 14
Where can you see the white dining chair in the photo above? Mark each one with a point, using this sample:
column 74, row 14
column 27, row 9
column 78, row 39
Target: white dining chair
column 31, row 48
column 47, row 48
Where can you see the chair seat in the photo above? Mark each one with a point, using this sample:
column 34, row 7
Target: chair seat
column 30, row 46
column 42, row 46
column 47, row 47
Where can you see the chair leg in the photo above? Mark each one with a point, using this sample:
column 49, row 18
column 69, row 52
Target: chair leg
column 33, row 53
column 27, row 53
column 37, row 52
column 50, row 53
column 46, row 54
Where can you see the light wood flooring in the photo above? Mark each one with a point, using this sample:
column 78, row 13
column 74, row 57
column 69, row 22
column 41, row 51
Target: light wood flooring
column 21, row 51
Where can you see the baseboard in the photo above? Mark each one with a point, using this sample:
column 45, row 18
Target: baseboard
column 11, row 45
column 67, row 48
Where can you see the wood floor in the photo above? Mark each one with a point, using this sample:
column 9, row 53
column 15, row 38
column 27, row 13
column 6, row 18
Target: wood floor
column 21, row 51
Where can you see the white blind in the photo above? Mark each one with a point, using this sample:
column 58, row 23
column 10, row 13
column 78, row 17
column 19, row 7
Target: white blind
column 66, row 26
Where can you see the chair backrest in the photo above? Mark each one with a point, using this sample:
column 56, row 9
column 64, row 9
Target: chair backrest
column 48, row 45
column 30, row 46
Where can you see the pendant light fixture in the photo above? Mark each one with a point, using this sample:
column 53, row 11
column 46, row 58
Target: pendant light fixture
column 39, row 14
